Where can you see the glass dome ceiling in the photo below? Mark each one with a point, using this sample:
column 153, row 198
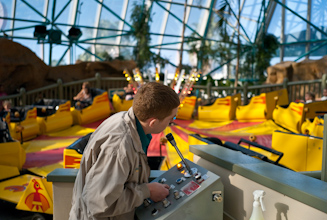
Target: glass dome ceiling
column 106, row 25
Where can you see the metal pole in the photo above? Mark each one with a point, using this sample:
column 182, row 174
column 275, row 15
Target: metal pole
column 308, row 33
column 245, row 93
column 22, row 92
column 323, row 82
column 60, row 89
column 180, row 66
column 98, row 80
column 282, row 35
column 209, row 88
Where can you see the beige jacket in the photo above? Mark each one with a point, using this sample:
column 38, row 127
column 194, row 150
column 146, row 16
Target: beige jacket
column 114, row 169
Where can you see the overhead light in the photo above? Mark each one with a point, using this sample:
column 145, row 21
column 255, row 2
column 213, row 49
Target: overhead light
column 40, row 31
column 54, row 36
column 74, row 34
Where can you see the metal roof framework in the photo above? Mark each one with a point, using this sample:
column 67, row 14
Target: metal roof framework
column 300, row 26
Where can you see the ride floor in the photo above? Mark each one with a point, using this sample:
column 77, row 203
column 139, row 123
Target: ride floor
column 231, row 131
column 45, row 153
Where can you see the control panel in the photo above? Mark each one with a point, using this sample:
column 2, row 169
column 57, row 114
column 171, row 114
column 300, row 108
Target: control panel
column 195, row 193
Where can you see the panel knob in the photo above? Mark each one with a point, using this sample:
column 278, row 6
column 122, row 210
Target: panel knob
column 154, row 211
column 197, row 176
column 178, row 181
column 176, row 194
column 163, row 180
column 146, row 202
column 165, row 202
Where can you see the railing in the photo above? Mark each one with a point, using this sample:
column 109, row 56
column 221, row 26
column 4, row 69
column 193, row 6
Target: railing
column 60, row 90
column 296, row 90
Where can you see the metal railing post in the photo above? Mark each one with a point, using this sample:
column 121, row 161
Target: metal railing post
column 98, row 80
column 323, row 82
column 285, row 83
column 285, row 86
column 209, row 89
column 60, row 89
column 22, row 93
column 245, row 93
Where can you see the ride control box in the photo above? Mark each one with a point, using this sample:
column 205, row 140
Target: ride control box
column 193, row 195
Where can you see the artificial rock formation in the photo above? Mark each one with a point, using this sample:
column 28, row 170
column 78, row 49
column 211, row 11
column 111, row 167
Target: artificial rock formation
column 304, row 70
column 20, row 67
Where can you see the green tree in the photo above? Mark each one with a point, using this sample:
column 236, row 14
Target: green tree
column 140, row 22
column 103, row 54
column 266, row 49
column 257, row 59
column 143, row 56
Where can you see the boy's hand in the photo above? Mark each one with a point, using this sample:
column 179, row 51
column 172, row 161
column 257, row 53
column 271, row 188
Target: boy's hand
column 158, row 191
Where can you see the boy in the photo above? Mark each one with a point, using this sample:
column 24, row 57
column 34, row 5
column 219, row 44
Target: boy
column 113, row 176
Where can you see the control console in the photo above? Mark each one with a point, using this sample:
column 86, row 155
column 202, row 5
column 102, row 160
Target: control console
column 195, row 193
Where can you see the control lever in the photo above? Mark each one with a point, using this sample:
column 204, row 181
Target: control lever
column 172, row 141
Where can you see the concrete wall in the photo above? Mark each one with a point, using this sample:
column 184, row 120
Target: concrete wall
column 238, row 198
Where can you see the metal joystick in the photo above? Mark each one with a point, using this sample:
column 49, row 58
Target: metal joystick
column 189, row 172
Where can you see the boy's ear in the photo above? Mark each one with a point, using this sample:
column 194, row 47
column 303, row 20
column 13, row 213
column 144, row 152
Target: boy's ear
column 152, row 122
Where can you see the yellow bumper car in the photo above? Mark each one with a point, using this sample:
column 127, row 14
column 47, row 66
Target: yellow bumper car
column 23, row 123
column 121, row 104
column 313, row 128
column 74, row 152
column 54, row 115
column 289, row 117
column 294, row 115
column 12, row 155
column 262, row 107
column 301, row 152
column 223, row 109
column 255, row 111
column 95, row 111
column 186, row 108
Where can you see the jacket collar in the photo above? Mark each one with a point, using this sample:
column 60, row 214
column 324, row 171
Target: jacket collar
column 130, row 120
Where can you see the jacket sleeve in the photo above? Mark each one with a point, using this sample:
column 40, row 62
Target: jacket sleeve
column 106, row 193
